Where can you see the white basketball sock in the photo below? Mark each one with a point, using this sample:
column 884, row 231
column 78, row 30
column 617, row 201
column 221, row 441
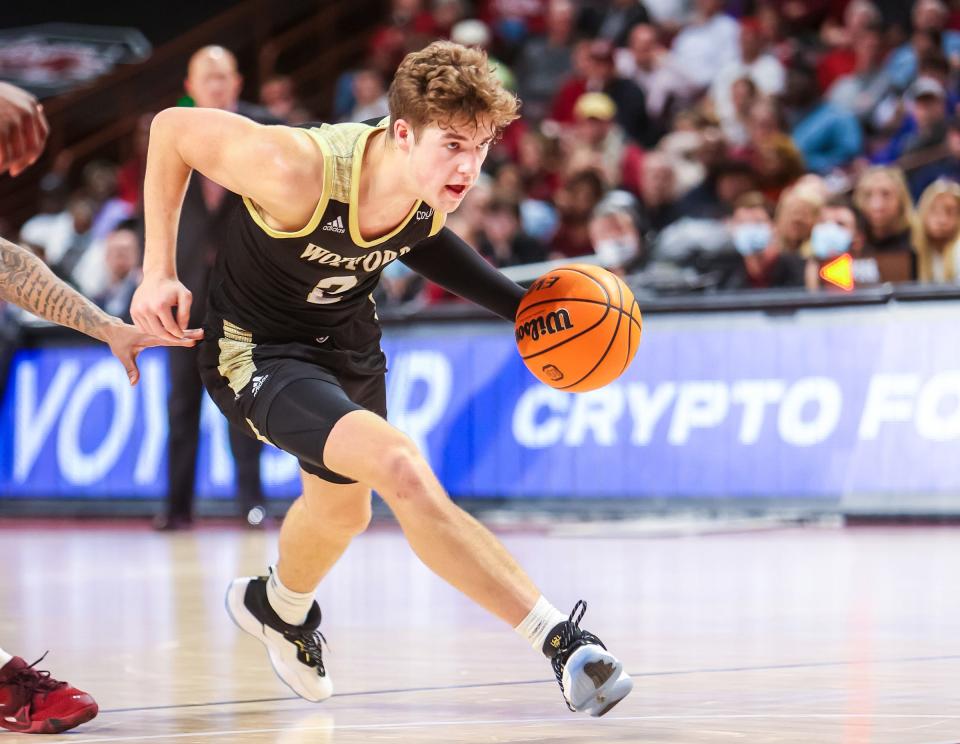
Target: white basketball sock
column 542, row 619
column 4, row 657
column 292, row 607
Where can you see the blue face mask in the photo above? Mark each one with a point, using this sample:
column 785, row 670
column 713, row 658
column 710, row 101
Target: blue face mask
column 751, row 237
column 829, row 240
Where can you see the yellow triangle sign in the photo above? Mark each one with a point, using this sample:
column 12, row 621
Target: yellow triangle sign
column 839, row 272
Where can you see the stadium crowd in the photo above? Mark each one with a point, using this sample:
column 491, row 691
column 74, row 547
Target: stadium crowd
column 694, row 145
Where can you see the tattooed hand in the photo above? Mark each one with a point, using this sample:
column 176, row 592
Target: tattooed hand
column 127, row 341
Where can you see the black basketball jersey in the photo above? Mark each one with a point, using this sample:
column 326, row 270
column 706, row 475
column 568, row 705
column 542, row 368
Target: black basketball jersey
column 316, row 282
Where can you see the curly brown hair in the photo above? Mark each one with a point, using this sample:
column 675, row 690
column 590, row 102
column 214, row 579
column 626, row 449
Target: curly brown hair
column 448, row 84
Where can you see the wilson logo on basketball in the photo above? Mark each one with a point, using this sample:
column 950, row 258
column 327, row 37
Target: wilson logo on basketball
column 555, row 321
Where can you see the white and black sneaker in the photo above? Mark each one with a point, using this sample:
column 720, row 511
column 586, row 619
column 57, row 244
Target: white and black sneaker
column 591, row 678
column 295, row 651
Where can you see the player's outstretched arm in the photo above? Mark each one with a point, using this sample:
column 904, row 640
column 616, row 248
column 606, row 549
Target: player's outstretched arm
column 28, row 282
column 446, row 259
column 279, row 168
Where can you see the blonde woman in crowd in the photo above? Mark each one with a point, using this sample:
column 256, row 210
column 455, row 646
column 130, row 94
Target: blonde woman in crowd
column 882, row 196
column 936, row 231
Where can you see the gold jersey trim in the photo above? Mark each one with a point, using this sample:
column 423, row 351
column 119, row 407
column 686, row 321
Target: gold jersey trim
column 318, row 211
column 355, row 236
column 439, row 219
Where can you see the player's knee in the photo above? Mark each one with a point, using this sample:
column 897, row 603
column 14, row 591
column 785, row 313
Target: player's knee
column 406, row 474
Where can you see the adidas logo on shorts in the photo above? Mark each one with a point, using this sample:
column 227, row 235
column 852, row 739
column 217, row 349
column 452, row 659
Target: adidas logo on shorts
column 335, row 226
column 257, row 384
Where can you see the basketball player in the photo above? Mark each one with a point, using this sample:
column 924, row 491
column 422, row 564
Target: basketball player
column 31, row 701
column 291, row 347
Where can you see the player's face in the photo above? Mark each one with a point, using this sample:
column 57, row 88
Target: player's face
column 445, row 162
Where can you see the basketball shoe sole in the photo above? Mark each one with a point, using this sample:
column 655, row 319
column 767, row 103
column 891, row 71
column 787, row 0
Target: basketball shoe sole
column 284, row 653
column 594, row 680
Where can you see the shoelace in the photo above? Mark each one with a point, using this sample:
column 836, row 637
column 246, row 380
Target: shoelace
column 30, row 680
column 310, row 649
column 571, row 638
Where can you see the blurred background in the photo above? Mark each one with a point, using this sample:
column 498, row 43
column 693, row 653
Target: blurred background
column 777, row 182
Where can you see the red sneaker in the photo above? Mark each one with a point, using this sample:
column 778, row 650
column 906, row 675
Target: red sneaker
column 32, row 702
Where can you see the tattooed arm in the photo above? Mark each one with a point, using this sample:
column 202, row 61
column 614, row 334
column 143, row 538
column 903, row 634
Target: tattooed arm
column 26, row 281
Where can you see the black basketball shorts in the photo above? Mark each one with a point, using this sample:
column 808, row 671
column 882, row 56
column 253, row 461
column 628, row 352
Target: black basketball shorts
column 290, row 395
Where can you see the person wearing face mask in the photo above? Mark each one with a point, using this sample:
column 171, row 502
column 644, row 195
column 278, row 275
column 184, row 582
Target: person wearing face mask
column 840, row 230
column 614, row 234
column 775, row 261
column 751, row 230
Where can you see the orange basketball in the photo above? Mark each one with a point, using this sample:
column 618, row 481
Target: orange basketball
column 578, row 328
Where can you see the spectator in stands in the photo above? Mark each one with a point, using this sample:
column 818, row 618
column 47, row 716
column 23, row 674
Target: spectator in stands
column 840, row 230
column 658, row 196
column 770, row 150
column 751, row 224
column 841, row 41
column 538, row 158
column 743, row 94
column 727, row 180
column 503, row 242
column 278, row 95
column 545, row 61
column 707, row 44
column 945, row 164
column 754, row 63
column 122, row 258
column 827, row 136
column 649, row 64
column 868, row 83
column 576, row 199
column 596, row 140
column 601, row 77
column 369, row 95
column 929, row 23
column 61, row 239
column 614, row 234
column 781, row 262
column 925, row 129
column 936, row 231
column 100, row 187
column 881, row 195
column 213, row 82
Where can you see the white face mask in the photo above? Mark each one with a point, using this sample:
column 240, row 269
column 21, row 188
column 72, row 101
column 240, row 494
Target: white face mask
column 829, row 239
column 751, row 237
column 617, row 251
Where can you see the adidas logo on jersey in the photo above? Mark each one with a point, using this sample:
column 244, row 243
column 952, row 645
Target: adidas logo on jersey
column 335, row 226
column 257, row 384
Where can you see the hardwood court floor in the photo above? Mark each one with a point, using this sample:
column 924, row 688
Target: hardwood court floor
column 797, row 635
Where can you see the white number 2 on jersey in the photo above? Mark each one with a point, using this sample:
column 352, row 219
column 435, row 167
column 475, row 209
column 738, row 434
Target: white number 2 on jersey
column 331, row 289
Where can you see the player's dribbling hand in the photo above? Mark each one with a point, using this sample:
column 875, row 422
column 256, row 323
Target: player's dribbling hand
column 152, row 309
column 23, row 129
column 127, row 341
